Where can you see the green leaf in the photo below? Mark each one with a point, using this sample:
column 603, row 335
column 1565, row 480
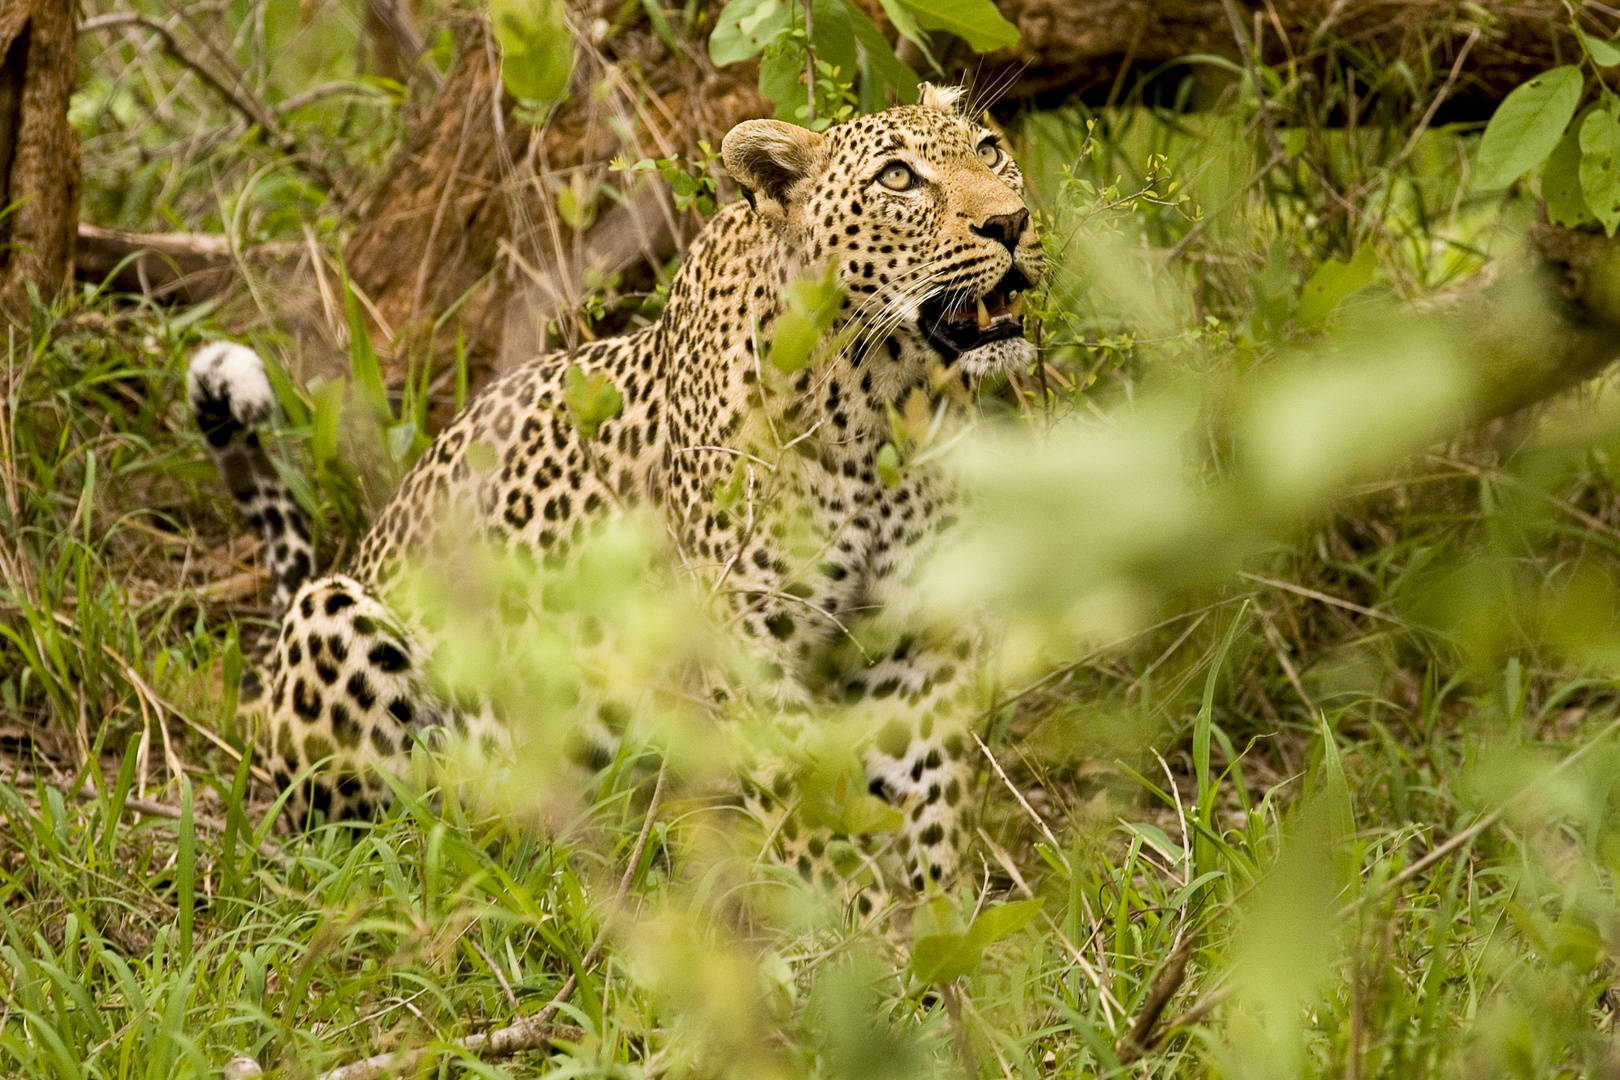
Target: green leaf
column 537, row 50
column 1341, row 810
column 368, row 380
column 443, row 52
column 781, row 73
column 812, row 304
column 729, row 492
column 942, row 958
column 865, row 814
column 1002, row 921
column 1600, row 167
column 578, row 212
column 1527, row 125
column 324, row 424
column 1332, row 283
column 939, row 949
column 744, row 29
column 292, row 406
column 906, row 23
column 592, row 399
column 1603, row 53
column 937, row 917
column 1561, row 181
column 888, row 465
column 660, row 22
column 233, row 678
column 401, row 439
column 185, row 868
column 942, row 950
column 835, row 37
column 976, row 22
column 880, row 55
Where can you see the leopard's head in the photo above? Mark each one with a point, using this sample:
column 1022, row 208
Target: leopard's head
column 922, row 212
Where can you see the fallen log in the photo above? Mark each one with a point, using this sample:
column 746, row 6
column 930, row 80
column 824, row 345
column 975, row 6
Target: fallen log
column 1102, row 50
column 184, row 267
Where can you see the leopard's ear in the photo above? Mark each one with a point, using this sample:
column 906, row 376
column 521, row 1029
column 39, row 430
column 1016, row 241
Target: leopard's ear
column 942, row 98
column 769, row 158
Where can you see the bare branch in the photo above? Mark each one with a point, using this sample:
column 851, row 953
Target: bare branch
column 233, row 89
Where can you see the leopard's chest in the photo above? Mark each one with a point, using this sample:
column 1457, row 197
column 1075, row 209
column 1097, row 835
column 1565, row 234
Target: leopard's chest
column 876, row 526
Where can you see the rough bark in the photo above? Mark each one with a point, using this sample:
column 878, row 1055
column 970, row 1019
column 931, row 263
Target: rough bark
column 1529, row 354
column 1100, row 48
column 39, row 150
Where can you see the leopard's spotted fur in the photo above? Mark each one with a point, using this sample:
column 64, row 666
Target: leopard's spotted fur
column 921, row 213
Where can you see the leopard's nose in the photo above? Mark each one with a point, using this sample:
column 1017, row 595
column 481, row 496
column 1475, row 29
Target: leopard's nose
column 1005, row 229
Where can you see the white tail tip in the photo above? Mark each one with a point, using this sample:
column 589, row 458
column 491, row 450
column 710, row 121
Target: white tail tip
column 226, row 371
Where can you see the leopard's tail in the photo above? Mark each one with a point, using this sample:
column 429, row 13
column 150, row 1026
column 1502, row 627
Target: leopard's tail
column 230, row 397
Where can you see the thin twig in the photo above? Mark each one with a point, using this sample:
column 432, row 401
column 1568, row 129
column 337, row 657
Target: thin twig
column 232, row 89
column 1057, row 849
column 247, row 106
column 163, row 810
column 531, row 1032
column 1268, row 123
column 1439, row 99
column 1282, row 658
column 1200, row 1008
column 1313, row 594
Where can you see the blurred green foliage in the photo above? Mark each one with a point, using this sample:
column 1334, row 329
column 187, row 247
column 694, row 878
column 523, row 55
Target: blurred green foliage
column 537, row 48
column 1300, row 675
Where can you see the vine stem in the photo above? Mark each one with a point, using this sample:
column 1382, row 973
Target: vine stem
column 809, row 66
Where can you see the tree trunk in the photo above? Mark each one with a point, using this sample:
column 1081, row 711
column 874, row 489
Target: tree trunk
column 39, row 150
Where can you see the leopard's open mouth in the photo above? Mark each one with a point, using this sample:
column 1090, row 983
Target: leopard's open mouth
column 955, row 323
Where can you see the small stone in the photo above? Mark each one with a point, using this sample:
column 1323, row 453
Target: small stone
column 240, row 1068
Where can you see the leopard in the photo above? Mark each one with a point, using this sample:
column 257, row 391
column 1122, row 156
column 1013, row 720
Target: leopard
column 917, row 215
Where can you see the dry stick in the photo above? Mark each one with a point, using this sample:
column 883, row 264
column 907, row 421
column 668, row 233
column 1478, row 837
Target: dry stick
column 419, row 293
column 1067, row 669
column 1282, row 658
column 1201, row 1008
column 530, row 1033
column 1267, row 122
column 809, row 66
column 145, row 695
column 1223, row 990
column 252, row 110
column 1057, row 848
column 1594, row 524
column 964, row 1045
column 1434, row 106
column 1104, row 994
column 1134, row 1045
column 1334, row 601
column 164, row 810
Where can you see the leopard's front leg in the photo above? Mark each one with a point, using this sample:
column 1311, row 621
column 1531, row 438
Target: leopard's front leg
column 919, row 703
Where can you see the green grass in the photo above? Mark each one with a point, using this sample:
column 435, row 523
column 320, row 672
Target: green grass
column 1241, row 714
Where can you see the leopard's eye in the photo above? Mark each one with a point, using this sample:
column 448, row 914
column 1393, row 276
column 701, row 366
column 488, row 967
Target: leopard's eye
column 896, row 177
column 990, row 153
